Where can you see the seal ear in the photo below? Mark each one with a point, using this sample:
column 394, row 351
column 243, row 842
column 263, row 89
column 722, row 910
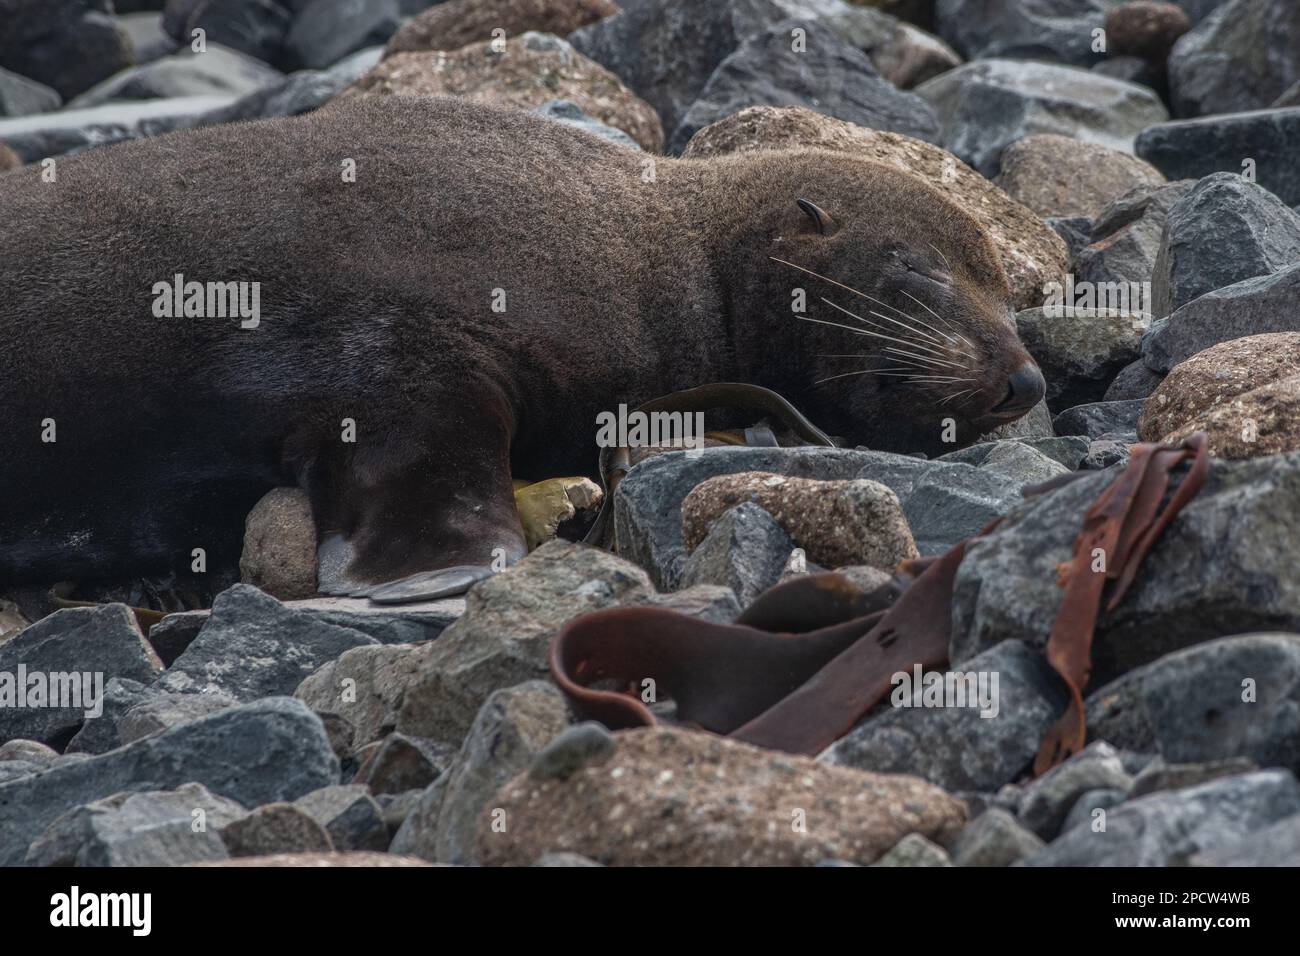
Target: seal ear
column 820, row 218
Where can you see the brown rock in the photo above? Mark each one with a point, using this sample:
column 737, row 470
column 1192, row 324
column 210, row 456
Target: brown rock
column 280, row 545
column 1032, row 254
column 531, row 70
column 275, row 828
column 1215, row 377
column 1263, row 421
column 321, row 860
column 8, row 158
column 1066, row 177
column 912, row 56
column 1145, row 28
column 450, row 26
column 672, row 797
column 835, row 522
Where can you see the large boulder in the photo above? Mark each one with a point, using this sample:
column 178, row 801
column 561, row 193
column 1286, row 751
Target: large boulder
column 1080, row 350
column 1221, row 566
column 1263, row 143
column 1060, row 176
column 1211, row 379
column 531, row 70
column 671, row 797
column 1032, row 254
column 1241, row 57
column 1250, row 307
column 1056, row 30
column 450, row 26
column 274, row 749
column 325, row 31
column 69, row 45
column 1125, row 238
column 772, row 68
column 255, row 27
column 1223, row 231
column 985, row 105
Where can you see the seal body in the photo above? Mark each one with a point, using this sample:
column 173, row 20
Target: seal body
column 457, row 311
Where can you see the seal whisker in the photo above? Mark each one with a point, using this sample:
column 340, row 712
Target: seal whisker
column 937, row 316
column 910, row 343
column 925, row 358
column 957, row 395
column 857, row 292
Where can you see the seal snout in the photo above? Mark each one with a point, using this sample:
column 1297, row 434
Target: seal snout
column 1025, row 389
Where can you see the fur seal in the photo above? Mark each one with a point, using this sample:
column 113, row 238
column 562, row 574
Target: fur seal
column 467, row 303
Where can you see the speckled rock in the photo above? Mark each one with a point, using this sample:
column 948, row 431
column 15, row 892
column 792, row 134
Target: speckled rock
column 1032, row 254
column 279, row 554
column 1061, row 176
column 322, row 860
column 276, row 828
column 744, row 549
column 1263, row 421
column 534, row 69
column 994, row 838
column 1215, row 377
column 1080, row 350
column 835, row 522
column 1145, row 29
column 676, row 797
column 459, row 23
column 1047, row 800
column 915, row 850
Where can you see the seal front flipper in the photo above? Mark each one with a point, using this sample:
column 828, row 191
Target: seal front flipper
column 429, row 585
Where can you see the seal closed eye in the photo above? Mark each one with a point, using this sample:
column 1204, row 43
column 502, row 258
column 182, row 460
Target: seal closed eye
column 460, row 312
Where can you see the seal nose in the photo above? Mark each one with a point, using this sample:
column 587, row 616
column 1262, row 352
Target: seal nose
column 1025, row 389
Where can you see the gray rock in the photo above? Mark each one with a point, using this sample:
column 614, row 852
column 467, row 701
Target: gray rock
column 1101, row 419
column 1159, row 775
column 1166, row 829
column 1250, row 307
column 158, row 712
column 829, row 75
column 914, row 850
column 215, row 72
column 158, row 828
column 1223, row 231
column 1075, row 230
column 508, row 733
column 253, row 646
column 985, row 105
column 565, row 859
column 1241, row 57
column 1276, row 845
column 745, row 550
column 68, row 658
column 17, row 769
column 1066, row 450
column 1221, row 566
column 1189, row 706
column 402, row 763
column 300, row 92
column 275, row 828
column 1126, row 239
column 1105, row 453
column 1080, row 350
column 994, row 838
column 34, row 138
column 1086, row 807
column 1059, row 30
column 396, row 807
column 570, row 113
column 20, row 96
column 149, row 41
column 69, row 45
column 99, row 734
column 328, row 30
column 419, row 825
column 273, row 749
column 574, row 748
column 1036, row 424
column 352, row 817
column 1191, row 149
column 1134, row 381
column 255, row 27
column 1047, row 800
column 954, row 747
column 666, row 51
column 708, row 602
column 31, row 751
column 943, row 501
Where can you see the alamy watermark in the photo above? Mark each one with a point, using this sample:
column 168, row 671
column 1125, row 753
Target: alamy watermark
column 977, row 689
column 638, row 429
column 71, row 690
column 208, row 300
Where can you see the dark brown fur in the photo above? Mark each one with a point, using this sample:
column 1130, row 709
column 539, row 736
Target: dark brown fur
column 376, row 305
